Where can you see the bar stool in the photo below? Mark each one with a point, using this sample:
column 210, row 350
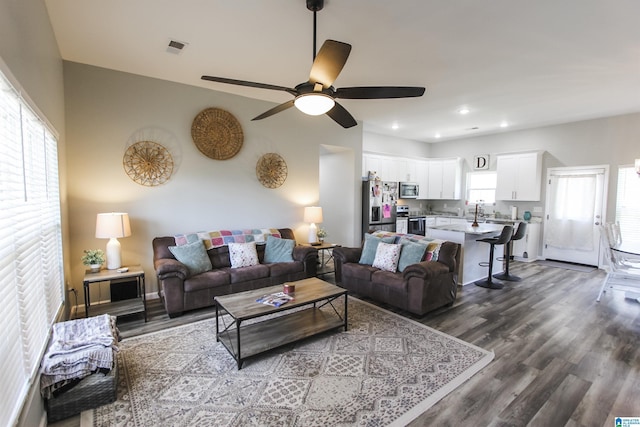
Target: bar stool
column 504, row 237
column 518, row 235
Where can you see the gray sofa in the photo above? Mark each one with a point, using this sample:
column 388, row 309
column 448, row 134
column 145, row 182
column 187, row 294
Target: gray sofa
column 418, row 289
column 182, row 292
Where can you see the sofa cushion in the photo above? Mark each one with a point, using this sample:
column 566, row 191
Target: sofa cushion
column 248, row 274
column 387, row 255
column 194, row 256
column 278, row 250
column 206, row 280
column 358, row 271
column 243, row 254
column 370, row 247
column 285, row 268
column 411, row 253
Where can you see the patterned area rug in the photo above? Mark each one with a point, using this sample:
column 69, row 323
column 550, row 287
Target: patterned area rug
column 386, row 369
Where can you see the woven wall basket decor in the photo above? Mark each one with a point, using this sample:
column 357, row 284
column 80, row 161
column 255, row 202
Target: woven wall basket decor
column 148, row 163
column 271, row 170
column 217, row 133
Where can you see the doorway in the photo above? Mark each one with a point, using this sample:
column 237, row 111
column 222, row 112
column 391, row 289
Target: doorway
column 576, row 198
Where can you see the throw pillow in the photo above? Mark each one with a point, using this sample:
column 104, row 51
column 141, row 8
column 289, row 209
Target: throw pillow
column 194, row 256
column 243, row 254
column 433, row 250
column 278, row 250
column 411, row 253
column 370, row 246
column 387, row 255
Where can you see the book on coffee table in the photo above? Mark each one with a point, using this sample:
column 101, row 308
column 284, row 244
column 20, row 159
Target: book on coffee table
column 275, row 300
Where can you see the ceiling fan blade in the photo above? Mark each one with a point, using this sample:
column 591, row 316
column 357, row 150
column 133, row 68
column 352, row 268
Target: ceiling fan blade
column 329, row 62
column 275, row 110
column 379, row 92
column 341, row 116
column 249, row 84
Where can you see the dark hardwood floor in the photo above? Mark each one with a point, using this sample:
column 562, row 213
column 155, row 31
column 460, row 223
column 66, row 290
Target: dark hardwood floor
column 561, row 358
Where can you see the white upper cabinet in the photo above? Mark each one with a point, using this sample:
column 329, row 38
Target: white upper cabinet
column 422, row 178
column 444, row 179
column 519, row 176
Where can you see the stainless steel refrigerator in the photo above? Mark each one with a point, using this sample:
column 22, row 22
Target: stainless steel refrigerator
column 379, row 199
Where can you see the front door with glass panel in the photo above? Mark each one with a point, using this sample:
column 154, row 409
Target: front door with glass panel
column 576, row 199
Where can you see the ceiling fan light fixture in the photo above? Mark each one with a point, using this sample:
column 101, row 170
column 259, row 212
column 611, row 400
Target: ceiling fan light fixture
column 314, row 104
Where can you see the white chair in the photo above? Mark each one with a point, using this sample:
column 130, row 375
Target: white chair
column 620, row 275
column 615, row 241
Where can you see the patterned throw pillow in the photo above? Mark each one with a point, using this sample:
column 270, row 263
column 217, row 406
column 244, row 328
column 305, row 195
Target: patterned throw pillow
column 370, row 246
column 243, row 254
column 387, row 255
column 194, row 256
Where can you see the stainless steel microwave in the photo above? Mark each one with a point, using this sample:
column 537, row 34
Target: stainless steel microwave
column 408, row 190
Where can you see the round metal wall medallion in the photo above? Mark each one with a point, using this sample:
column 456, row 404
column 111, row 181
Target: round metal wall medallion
column 271, row 170
column 217, row 134
column 148, row 163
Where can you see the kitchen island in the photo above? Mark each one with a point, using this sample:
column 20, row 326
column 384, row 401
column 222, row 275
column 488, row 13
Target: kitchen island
column 473, row 252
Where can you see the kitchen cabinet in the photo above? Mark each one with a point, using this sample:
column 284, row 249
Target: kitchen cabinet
column 442, row 221
column 444, row 179
column 422, row 178
column 519, row 176
column 526, row 249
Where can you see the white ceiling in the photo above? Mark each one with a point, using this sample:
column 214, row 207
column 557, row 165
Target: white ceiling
column 527, row 62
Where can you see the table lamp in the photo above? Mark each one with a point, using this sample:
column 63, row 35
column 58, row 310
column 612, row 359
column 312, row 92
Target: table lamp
column 313, row 215
column 111, row 226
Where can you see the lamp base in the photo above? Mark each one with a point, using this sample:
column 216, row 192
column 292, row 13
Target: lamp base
column 114, row 254
column 313, row 233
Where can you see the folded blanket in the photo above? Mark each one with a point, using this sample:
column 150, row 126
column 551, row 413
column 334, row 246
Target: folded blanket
column 217, row 238
column 77, row 349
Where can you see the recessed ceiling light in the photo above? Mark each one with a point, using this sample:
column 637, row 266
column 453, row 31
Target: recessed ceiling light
column 395, row 126
column 504, row 124
column 463, row 110
column 437, row 135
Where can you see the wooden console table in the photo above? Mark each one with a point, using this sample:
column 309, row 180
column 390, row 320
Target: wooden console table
column 118, row 308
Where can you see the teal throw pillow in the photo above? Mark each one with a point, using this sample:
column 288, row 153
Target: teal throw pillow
column 194, row 256
column 278, row 250
column 412, row 253
column 371, row 246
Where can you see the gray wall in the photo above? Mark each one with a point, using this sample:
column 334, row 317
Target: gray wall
column 107, row 110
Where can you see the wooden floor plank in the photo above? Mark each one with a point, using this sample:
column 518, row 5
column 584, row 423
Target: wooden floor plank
column 557, row 351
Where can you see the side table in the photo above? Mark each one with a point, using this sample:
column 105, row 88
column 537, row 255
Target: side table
column 323, row 248
column 118, row 308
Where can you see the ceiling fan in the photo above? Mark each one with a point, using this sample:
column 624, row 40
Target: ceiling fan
column 317, row 95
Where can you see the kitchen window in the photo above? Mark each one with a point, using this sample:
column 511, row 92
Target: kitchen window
column 628, row 204
column 481, row 186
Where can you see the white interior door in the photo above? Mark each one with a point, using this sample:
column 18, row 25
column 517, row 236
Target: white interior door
column 576, row 199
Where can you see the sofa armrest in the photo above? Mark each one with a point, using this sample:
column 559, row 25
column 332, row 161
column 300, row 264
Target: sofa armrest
column 168, row 267
column 425, row 270
column 343, row 255
column 308, row 255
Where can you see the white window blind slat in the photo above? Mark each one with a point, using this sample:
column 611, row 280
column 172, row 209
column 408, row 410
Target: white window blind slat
column 31, row 276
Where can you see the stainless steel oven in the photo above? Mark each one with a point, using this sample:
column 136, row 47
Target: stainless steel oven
column 417, row 225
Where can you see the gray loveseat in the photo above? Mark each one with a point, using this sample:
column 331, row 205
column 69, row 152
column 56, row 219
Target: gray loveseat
column 421, row 287
column 183, row 291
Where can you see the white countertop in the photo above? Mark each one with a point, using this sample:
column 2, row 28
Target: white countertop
column 483, row 228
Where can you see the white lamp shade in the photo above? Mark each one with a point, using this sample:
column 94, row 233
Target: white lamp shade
column 111, row 226
column 114, row 224
column 313, row 214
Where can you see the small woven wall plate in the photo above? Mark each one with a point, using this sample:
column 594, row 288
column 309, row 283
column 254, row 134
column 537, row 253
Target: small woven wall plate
column 148, row 163
column 271, row 170
column 217, row 134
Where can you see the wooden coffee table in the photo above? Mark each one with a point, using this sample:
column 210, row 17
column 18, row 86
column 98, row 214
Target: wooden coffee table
column 246, row 340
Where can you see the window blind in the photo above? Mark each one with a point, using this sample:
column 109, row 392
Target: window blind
column 481, row 186
column 31, row 276
column 628, row 204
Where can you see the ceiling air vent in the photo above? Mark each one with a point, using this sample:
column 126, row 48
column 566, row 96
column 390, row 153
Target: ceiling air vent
column 176, row 46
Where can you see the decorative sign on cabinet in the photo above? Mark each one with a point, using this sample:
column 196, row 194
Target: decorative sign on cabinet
column 519, row 176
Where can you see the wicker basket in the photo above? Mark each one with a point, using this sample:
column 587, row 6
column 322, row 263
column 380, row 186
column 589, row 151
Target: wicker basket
column 93, row 391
